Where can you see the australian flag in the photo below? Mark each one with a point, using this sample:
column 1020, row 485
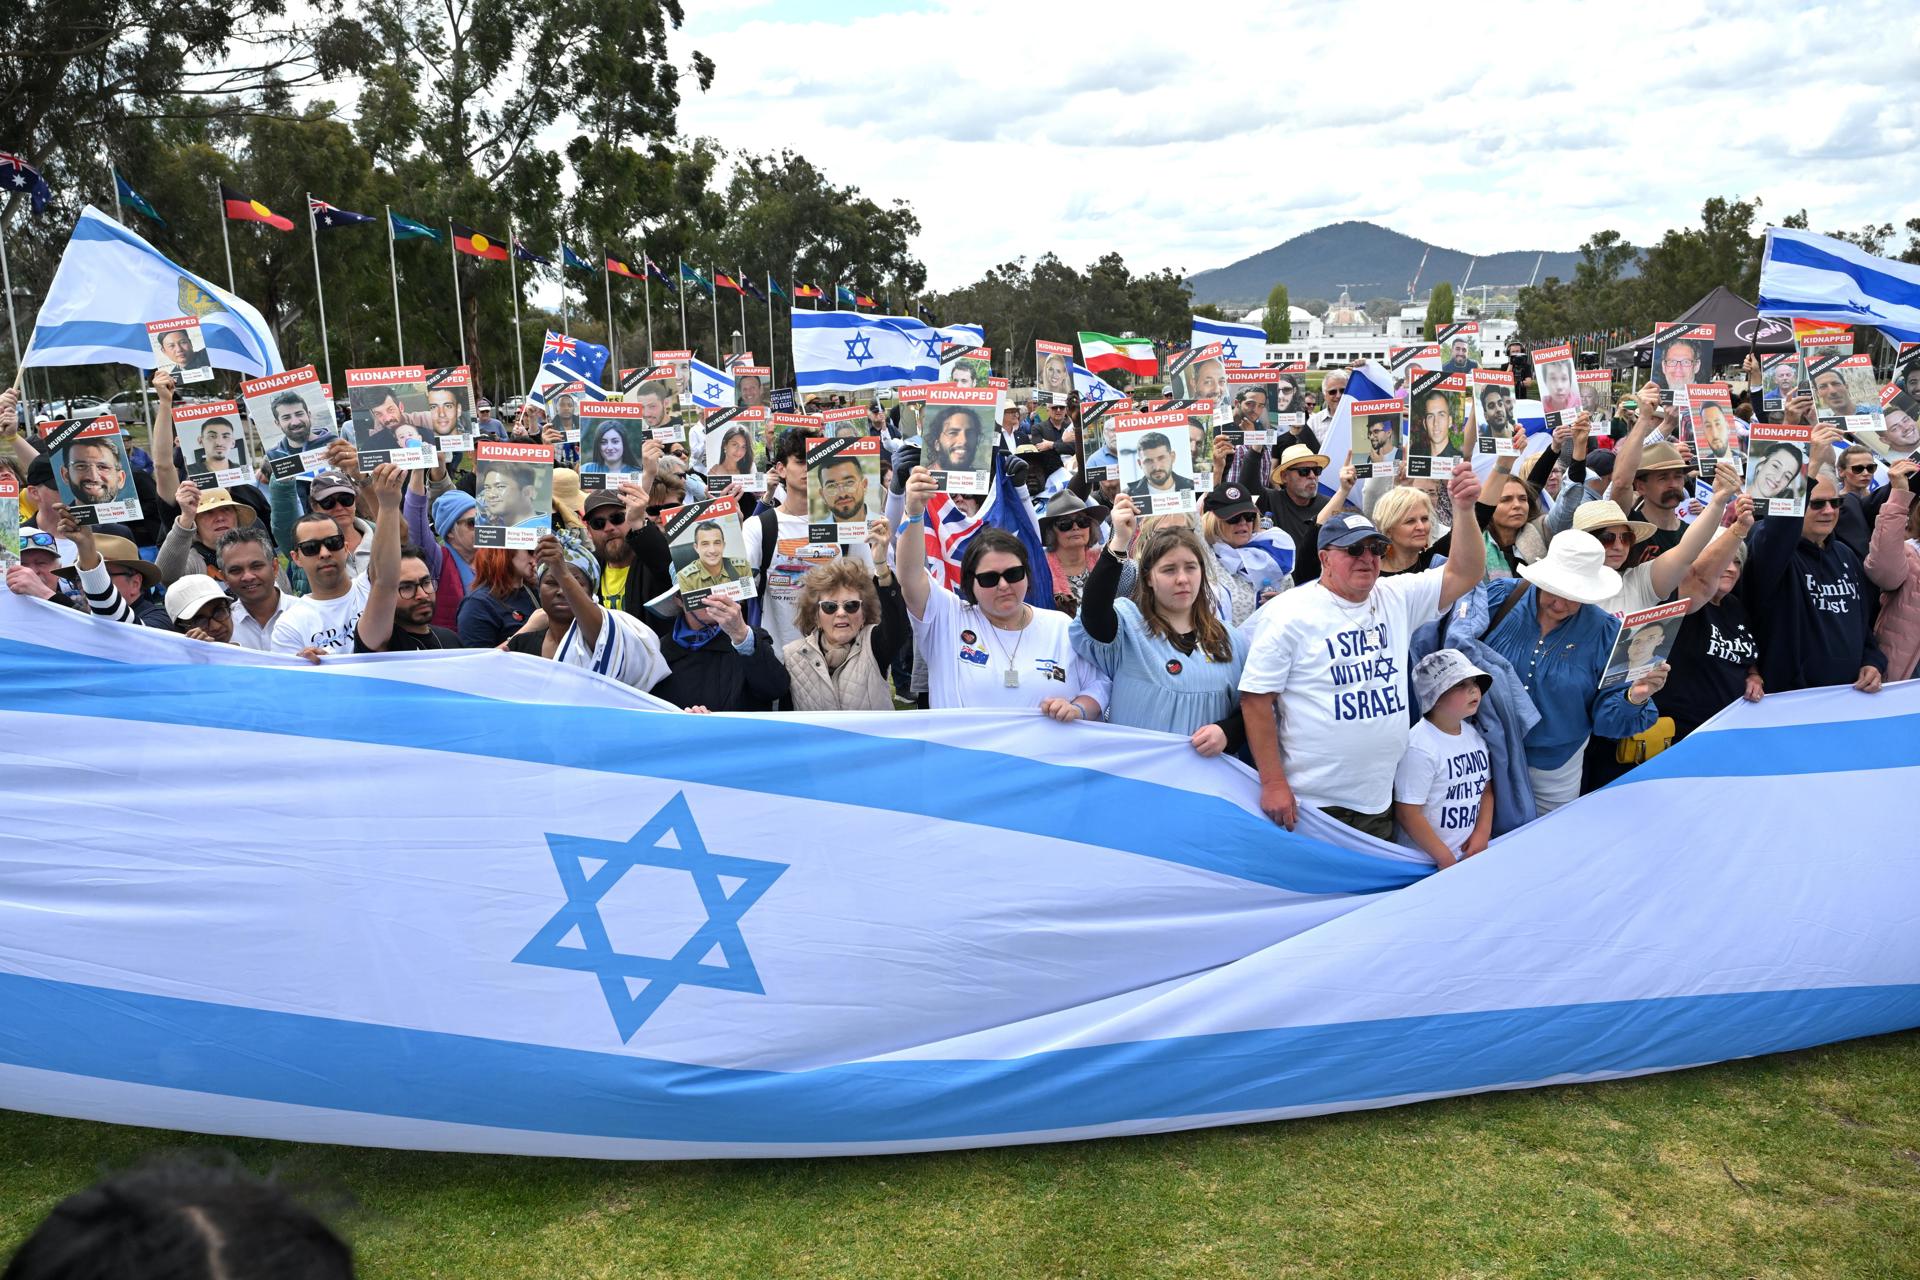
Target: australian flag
column 565, row 359
column 655, row 273
column 16, row 175
column 326, row 215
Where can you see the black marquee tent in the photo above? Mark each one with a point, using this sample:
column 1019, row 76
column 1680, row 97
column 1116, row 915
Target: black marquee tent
column 1736, row 326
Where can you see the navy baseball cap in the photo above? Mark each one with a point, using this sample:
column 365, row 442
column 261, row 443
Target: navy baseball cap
column 1345, row 530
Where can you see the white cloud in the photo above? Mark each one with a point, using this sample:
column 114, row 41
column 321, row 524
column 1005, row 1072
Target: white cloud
column 1192, row 147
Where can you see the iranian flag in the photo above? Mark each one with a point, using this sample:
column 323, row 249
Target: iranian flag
column 1102, row 351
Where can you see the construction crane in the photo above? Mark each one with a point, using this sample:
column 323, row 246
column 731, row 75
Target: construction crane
column 1417, row 272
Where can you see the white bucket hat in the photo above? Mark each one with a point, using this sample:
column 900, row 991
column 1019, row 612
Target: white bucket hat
column 1575, row 568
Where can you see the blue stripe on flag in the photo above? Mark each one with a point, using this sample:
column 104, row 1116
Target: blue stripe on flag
column 952, row 784
column 133, row 337
column 304, row 1060
column 884, row 374
column 1880, row 286
column 1844, row 746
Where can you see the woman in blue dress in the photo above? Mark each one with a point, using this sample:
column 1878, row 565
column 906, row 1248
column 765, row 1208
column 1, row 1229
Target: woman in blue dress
column 1174, row 664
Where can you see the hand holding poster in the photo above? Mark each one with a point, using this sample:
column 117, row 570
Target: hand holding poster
column 957, row 438
column 1156, row 462
column 1254, row 390
column 1845, row 392
column 1682, row 354
column 1493, row 420
column 731, row 444
column 9, row 520
column 1899, row 433
column 294, row 417
column 450, row 409
column 180, row 348
column 708, row 550
column 1290, row 397
column 1777, row 468
column 1052, row 370
column 1646, row 638
column 1559, row 387
column 90, row 469
column 213, row 444
column 1437, row 424
column 611, row 435
column 1715, row 433
column 1377, row 428
column 1596, row 398
column 514, row 484
column 1407, row 363
column 390, row 418
column 843, row 489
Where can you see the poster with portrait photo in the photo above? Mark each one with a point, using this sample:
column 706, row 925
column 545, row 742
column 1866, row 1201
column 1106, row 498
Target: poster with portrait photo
column 709, row 551
column 1459, row 343
column 1290, row 397
column 1052, row 369
column 843, row 489
column 611, row 435
column 677, row 367
column 1407, row 363
column 390, row 418
column 1378, row 429
column 1906, row 370
column 1645, row 640
column 912, row 400
column 1783, row 375
column 1493, row 418
column 1201, row 417
column 1899, row 433
column 652, row 391
column 1708, row 424
column 1436, row 424
column 1197, row 373
column 450, row 409
column 957, row 437
column 1682, row 354
column 214, row 444
column 1557, row 379
column 1777, row 468
column 732, row 445
column 513, row 483
column 1252, row 391
column 90, row 469
column 775, row 428
column 1596, row 398
column 294, row 417
column 965, row 366
column 9, row 520
column 752, row 385
column 1156, row 460
column 179, row 347
column 1845, row 392
column 1096, row 424
column 848, row 422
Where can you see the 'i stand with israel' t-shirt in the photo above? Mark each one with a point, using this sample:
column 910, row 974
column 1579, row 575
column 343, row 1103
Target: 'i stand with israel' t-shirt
column 1445, row 774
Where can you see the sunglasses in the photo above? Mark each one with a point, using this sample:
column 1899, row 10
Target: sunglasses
column 1305, row 471
column 333, row 501
column 1861, row 470
column 1371, row 547
column 597, row 521
column 831, row 607
column 312, row 546
column 1821, row 504
column 1608, row 537
column 1073, row 522
column 1012, row 577
column 1245, row 517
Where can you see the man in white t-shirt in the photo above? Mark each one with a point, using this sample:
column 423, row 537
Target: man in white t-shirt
column 793, row 551
column 322, row 621
column 1324, row 690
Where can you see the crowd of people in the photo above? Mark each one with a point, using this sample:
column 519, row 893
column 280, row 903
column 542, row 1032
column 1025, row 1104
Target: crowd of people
column 1423, row 659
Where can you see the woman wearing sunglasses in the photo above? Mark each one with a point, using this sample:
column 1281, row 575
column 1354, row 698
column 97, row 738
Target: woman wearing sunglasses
column 1174, row 665
column 1067, row 530
column 1253, row 564
column 853, row 624
column 986, row 646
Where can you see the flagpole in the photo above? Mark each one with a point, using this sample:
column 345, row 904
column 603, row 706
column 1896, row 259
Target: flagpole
column 646, row 291
column 225, row 240
column 565, row 323
column 119, row 215
column 682, row 291
column 459, row 318
column 773, row 343
column 319, row 291
column 738, row 278
column 606, row 274
column 113, row 180
column 513, row 274
column 713, row 300
column 13, row 328
column 393, row 274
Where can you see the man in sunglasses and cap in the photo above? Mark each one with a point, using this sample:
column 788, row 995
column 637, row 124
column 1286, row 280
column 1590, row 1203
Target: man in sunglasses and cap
column 1295, row 502
column 1324, row 691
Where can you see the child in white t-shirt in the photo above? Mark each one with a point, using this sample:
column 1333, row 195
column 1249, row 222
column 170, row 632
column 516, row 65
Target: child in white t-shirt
column 1443, row 790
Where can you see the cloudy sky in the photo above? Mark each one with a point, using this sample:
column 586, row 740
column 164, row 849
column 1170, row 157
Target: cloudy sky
column 1016, row 127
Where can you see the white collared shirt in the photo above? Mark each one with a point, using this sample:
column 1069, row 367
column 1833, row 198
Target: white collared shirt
column 258, row 636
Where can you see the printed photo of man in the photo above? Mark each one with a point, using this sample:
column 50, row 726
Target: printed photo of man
column 1439, row 428
column 444, row 413
column 216, row 448
column 93, row 471
column 751, row 391
column 711, row 566
column 1156, row 459
column 1681, row 361
column 957, row 436
column 508, row 491
column 1458, row 361
column 294, row 421
column 843, row 487
column 1203, row 380
column 1496, row 411
column 176, row 350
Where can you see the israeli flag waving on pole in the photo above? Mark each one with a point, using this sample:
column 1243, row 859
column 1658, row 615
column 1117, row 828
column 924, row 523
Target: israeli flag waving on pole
column 711, row 388
column 849, row 351
column 1817, row 277
column 1246, row 343
column 1092, row 387
column 110, row 282
column 963, row 335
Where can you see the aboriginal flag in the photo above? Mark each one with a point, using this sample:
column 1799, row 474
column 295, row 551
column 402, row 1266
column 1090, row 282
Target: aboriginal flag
column 246, row 209
column 467, row 240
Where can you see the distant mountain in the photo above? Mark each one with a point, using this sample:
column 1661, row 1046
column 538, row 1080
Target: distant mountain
column 1373, row 261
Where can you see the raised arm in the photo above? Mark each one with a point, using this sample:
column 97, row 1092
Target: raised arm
column 1704, row 577
column 1667, row 577
column 910, row 546
column 166, row 476
column 587, row 613
column 1626, row 455
column 383, row 567
column 1467, row 556
column 1887, row 551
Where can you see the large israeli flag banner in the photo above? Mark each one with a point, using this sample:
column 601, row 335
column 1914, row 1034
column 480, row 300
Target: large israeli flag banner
column 849, row 351
column 1817, row 277
column 110, row 282
column 481, row 902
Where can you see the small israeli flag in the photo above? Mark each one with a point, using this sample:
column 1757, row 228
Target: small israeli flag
column 1246, row 343
column 711, row 388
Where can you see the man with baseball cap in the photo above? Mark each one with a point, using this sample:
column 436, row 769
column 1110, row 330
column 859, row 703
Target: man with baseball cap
column 1258, row 562
column 1324, row 690
column 1296, row 503
column 38, row 573
column 197, row 606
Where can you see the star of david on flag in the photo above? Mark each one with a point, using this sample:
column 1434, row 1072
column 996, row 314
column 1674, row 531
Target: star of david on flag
column 848, row 351
column 711, row 388
column 635, row 986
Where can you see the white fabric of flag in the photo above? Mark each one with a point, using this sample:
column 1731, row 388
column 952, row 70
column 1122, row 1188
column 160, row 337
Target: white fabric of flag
column 1092, row 387
column 110, row 282
column 1816, row 277
column 642, row 934
column 1246, row 343
column 849, row 351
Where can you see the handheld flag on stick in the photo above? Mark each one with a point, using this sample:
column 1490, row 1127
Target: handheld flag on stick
column 1818, row 277
column 1246, row 343
column 565, row 360
column 1103, row 352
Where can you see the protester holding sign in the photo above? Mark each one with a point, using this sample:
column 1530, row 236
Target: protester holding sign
column 1173, row 664
column 577, row 630
column 855, row 624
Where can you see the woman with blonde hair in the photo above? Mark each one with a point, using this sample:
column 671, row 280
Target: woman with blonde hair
column 851, row 624
column 1405, row 516
column 1174, row 664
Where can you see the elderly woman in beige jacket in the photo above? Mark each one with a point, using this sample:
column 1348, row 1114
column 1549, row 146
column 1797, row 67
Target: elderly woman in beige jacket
column 851, row 624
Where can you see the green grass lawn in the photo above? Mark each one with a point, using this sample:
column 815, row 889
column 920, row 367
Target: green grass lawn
column 1798, row 1165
